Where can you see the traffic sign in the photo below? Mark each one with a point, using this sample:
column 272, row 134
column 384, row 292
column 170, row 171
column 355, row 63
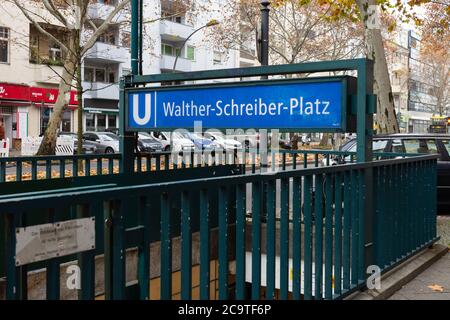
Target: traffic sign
column 308, row 104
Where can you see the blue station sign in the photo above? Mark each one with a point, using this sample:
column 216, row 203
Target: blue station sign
column 309, row 104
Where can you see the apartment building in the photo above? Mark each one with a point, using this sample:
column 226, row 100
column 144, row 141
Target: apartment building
column 411, row 87
column 103, row 65
column 30, row 65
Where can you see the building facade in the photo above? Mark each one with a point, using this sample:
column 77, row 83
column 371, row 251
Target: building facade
column 30, row 63
column 411, row 87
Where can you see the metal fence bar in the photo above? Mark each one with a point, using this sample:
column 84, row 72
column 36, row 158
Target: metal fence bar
column 256, row 239
column 240, row 240
column 346, row 230
column 296, row 237
column 284, row 239
column 186, row 247
column 354, row 228
column 271, row 240
column 338, row 234
column 166, row 248
column 308, row 238
column 204, row 246
column 223, row 243
column 318, row 232
column 329, row 237
column 118, row 248
column 144, row 248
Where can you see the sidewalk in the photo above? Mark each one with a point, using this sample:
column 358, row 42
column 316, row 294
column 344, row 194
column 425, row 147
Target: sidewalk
column 438, row 275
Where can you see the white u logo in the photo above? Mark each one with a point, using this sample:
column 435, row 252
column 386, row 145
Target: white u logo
column 148, row 111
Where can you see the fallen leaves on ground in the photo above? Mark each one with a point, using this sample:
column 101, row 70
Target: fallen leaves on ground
column 436, row 287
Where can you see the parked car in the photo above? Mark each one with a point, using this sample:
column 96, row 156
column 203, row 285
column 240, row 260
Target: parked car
column 414, row 144
column 176, row 141
column 147, row 143
column 223, row 142
column 107, row 139
column 200, row 142
column 165, row 145
column 87, row 147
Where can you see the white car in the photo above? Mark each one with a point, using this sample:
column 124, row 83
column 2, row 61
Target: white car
column 223, row 142
column 175, row 140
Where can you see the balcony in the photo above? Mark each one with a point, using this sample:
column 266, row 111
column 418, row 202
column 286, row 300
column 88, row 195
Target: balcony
column 176, row 32
column 182, row 64
column 99, row 90
column 100, row 11
column 104, row 52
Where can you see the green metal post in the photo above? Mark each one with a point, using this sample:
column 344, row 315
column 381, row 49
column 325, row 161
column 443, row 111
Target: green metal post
column 364, row 152
column 126, row 138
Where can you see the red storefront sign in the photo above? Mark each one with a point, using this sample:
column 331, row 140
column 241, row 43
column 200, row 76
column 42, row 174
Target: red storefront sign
column 49, row 96
column 33, row 94
column 14, row 92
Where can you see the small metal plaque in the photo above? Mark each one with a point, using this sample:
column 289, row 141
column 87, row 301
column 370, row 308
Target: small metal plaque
column 51, row 240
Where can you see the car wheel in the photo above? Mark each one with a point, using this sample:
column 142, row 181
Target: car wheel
column 109, row 150
column 167, row 148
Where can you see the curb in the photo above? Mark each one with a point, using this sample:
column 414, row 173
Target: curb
column 396, row 278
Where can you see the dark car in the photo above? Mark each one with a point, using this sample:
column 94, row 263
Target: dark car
column 147, row 143
column 414, row 144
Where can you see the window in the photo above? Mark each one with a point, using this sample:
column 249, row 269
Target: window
column 112, row 121
column 111, row 77
column 100, row 75
column 101, row 122
column 89, row 74
column 90, row 122
column 420, row 146
column 379, row 145
column 4, row 45
column 54, row 52
column 109, row 37
column 66, row 121
column 190, row 53
column 446, row 144
column 397, row 146
column 45, row 117
column 217, row 57
column 126, row 39
column 169, row 50
column 171, row 16
column 34, row 49
column 109, row 2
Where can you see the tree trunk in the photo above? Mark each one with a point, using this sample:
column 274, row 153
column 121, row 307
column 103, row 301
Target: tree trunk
column 48, row 143
column 324, row 140
column 385, row 118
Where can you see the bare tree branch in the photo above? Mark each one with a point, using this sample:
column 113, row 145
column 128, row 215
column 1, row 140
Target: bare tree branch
column 39, row 27
column 102, row 28
column 49, row 5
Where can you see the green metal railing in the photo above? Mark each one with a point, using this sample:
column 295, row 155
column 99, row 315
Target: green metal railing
column 50, row 167
column 54, row 167
column 318, row 214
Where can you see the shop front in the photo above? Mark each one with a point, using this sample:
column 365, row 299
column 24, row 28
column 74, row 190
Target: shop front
column 44, row 99
column 14, row 104
column 101, row 115
column 25, row 111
